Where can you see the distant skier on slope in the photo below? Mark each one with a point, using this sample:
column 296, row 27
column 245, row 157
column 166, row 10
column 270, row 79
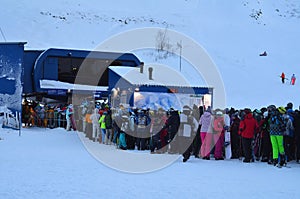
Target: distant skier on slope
column 282, row 77
column 293, row 79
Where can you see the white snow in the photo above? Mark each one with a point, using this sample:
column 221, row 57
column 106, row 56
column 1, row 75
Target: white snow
column 55, row 164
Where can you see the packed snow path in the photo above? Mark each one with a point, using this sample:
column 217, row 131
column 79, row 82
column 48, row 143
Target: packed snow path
column 44, row 163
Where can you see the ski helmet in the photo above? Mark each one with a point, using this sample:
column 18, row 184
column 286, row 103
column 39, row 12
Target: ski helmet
column 271, row 108
column 281, row 110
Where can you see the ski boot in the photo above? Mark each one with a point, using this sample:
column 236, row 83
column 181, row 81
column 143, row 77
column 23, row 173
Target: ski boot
column 282, row 161
column 275, row 162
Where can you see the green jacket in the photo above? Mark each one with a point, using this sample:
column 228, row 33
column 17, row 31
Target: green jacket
column 102, row 122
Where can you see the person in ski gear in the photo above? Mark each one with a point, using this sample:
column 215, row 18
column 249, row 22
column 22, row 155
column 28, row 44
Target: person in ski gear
column 89, row 125
column 282, row 77
column 96, row 128
column 248, row 127
column 206, row 134
column 187, row 131
column 197, row 140
column 157, row 122
column 108, row 127
column 142, row 122
column 103, row 126
column 218, row 134
column 172, row 125
column 288, row 134
column 234, row 136
column 69, row 118
column 276, row 135
column 293, row 79
column 297, row 134
column 266, row 141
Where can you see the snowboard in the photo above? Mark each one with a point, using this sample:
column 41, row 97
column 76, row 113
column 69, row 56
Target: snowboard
column 227, row 145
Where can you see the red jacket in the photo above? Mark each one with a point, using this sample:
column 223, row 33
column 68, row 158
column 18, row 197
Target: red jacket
column 248, row 126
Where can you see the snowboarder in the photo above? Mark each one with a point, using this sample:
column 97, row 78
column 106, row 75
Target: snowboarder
column 293, row 79
column 282, row 77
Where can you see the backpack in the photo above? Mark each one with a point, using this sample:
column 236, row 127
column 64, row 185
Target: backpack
column 278, row 121
column 108, row 121
column 218, row 124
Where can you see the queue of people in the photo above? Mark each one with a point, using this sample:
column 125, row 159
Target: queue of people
column 270, row 134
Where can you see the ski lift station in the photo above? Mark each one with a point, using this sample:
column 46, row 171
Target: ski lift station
column 57, row 74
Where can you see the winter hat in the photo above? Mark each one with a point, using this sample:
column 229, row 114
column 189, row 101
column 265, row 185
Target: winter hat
column 247, row 110
column 289, row 105
column 271, row 108
column 226, row 110
column 281, row 110
column 219, row 113
column 208, row 109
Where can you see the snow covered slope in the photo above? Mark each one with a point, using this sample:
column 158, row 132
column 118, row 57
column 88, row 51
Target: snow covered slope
column 234, row 33
column 55, row 164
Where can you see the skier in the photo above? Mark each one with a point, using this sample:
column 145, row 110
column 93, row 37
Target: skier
column 206, row 134
column 218, row 134
column 108, row 127
column 248, row 127
column 293, row 79
column 297, row 134
column 103, row 127
column 276, row 134
column 197, row 140
column 96, row 128
column 187, row 131
column 282, row 77
column 266, row 141
column 70, row 118
column 288, row 134
column 235, row 138
column 142, row 122
column 172, row 125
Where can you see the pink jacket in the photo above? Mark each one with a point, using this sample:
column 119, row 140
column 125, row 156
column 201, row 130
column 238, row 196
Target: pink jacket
column 205, row 122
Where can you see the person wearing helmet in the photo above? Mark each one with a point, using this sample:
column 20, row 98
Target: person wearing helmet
column 276, row 123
